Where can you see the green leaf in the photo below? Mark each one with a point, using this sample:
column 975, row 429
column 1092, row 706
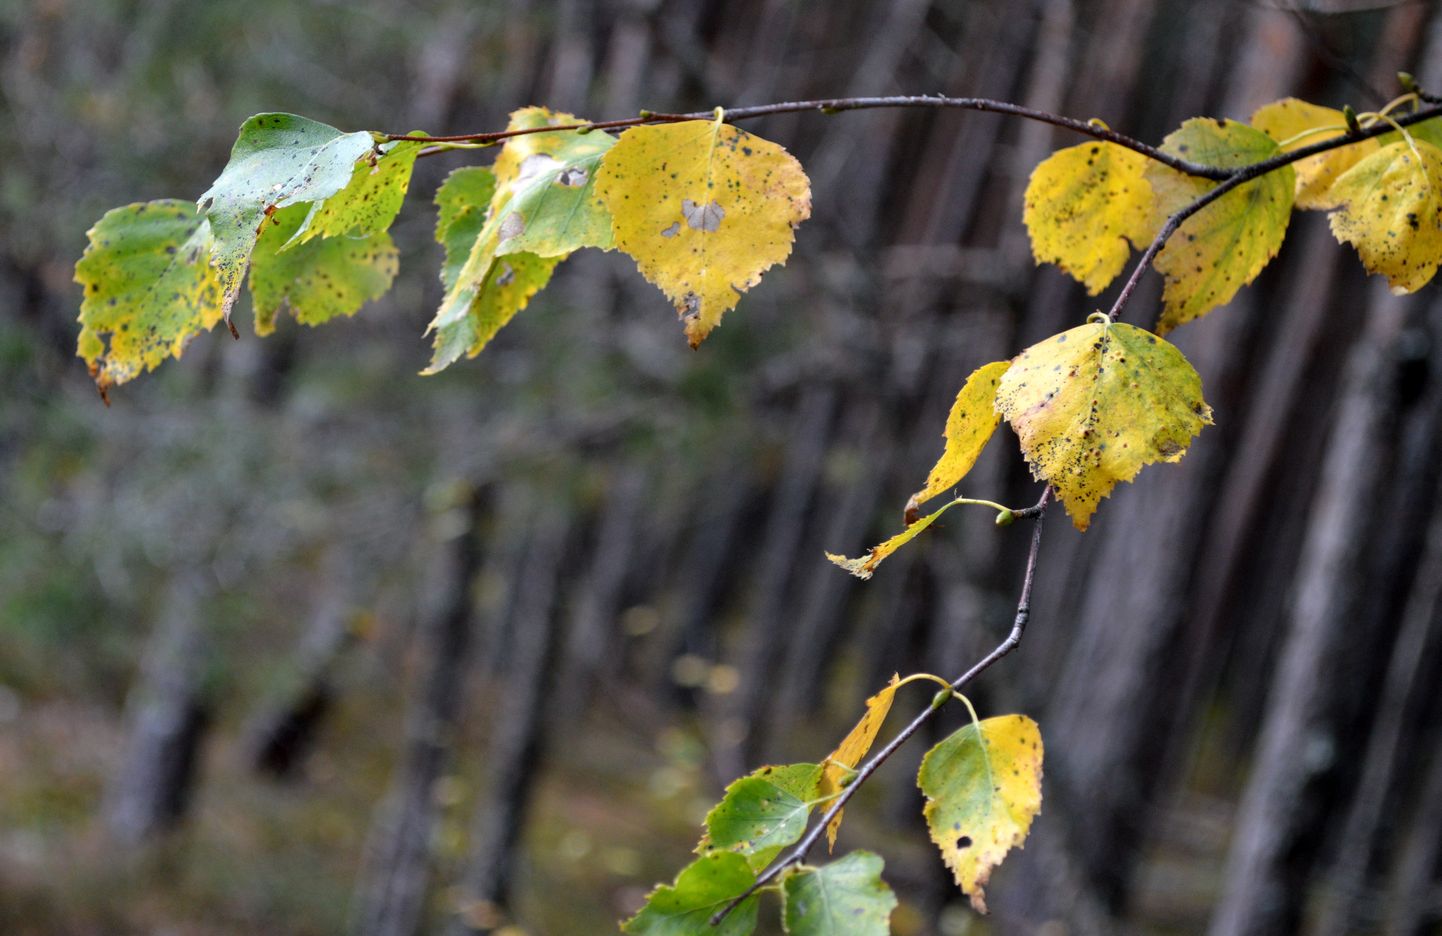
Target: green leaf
column 317, row 279
column 1390, row 209
column 845, row 898
column 1224, row 246
column 552, row 209
column 983, row 788
column 763, row 812
column 278, row 160
column 497, row 279
column 969, row 426
column 369, row 202
column 703, row 887
column 149, row 288
column 462, row 200
column 1083, row 204
column 704, row 209
column 1095, row 404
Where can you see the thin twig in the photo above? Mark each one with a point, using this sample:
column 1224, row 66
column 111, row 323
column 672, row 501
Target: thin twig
column 1244, row 174
column 1093, row 129
column 1013, row 639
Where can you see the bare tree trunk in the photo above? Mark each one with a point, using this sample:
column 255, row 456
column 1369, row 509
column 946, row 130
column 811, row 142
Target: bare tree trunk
column 397, row 870
column 514, row 755
column 1268, row 861
column 283, row 734
column 168, row 716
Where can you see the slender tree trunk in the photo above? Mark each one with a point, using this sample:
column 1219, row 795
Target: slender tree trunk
column 513, row 758
column 167, row 716
column 396, row 874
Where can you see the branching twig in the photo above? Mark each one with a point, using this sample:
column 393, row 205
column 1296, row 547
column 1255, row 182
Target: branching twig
column 1018, row 628
column 1246, row 174
column 1094, row 129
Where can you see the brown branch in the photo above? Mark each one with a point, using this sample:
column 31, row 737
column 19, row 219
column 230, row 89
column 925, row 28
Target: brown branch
column 863, row 773
column 1093, row 129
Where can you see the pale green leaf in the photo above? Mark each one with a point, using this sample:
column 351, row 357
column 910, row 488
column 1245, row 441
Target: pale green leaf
column 462, row 200
column 552, row 208
column 277, row 160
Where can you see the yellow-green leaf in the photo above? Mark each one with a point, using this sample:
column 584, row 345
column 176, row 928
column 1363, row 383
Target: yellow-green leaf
column 149, row 288
column 1224, row 246
column 537, row 182
column 1284, row 120
column 703, row 208
column 369, row 202
column 983, row 789
column 842, row 762
column 1083, row 204
column 863, row 566
column 318, row 279
column 969, row 426
column 1390, row 209
column 763, row 812
column 462, row 202
column 550, row 208
column 1095, row 404
column 277, row 160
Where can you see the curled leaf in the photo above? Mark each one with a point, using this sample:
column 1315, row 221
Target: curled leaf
column 842, row 761
column 969, row 426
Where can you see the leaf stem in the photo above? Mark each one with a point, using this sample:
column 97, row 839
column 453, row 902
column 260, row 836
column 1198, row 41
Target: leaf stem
column 1018, row 628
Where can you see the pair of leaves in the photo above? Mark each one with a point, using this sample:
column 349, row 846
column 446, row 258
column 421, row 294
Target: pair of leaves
column 1385, row 194
column 702, row 207
column 1091, row 407
column 844, row 898
column 1087, row 205
column 159, row 273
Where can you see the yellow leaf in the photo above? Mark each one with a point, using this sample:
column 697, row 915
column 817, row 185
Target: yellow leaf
column 969, row 426
column 1224, row 246
column 983, row 789
column 1082, row 206
column 865, row 565
column 1095, row 404
column 1285, row 119
column 839, row 765
column 1391, row 211
column 703, row 208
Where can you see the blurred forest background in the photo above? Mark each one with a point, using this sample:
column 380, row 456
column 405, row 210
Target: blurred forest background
column 294, row 641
